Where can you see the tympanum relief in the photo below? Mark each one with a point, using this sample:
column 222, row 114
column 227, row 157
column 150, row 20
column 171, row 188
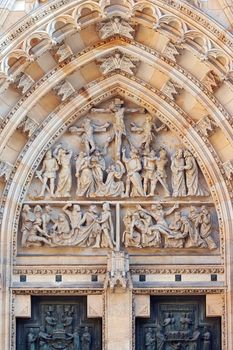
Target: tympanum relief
column 86, row 191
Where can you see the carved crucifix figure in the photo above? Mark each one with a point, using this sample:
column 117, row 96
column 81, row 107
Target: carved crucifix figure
column 117, row 108
column 87, row 130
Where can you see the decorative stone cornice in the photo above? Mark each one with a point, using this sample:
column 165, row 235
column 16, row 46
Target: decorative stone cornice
column 176, row 270
column 68, row 270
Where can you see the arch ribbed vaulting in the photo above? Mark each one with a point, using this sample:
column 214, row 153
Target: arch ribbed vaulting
column 193, row 58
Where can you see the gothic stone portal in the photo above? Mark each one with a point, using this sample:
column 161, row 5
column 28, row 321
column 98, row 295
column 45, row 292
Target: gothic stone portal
column 59, row 323
column 178, row 323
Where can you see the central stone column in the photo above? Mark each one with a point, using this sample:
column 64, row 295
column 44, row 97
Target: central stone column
column 118, row 303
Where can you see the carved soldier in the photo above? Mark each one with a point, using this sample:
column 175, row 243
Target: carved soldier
column 87, row 129
column 64, row 177
column 178, row 176
column 133, row 167
column 31, row 340
column 48, row 173
column 86, row 339
column 43, row 339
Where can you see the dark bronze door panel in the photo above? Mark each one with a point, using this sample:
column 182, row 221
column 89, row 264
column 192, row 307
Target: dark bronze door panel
column 59, row 323
column 178, row 323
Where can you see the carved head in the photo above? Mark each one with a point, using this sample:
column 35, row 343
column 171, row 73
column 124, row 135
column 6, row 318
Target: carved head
column 48, row 154
column 179, row 153
column 76, row 207
column 26, row 208
column 48, row 209
column 93, row 209
column 162, row 153
column 106, row 206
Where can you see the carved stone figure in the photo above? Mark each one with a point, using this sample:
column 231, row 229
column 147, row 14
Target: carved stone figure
column 75, row 214
column 107, row 230
column 36, row 235
column 64, row 176
column 206, row 337
column 178, row 175
column 98, row 167
column 191, row 225
column 133, row 167
column 176, row 241
column 117, row 108
column 48, row 173
column 61, row 232
column 112, row 188
column 147, row 131
column 28, row 218
column 87, row 130
column 191, row 175
column 116, row 25
column 47, row 217
column 85, row 180
column 160, row 173
column 206, row 228
column 31, row 340
column 130, row 237
column 149, row 340
column 148, row 172
column 86, row 339
column 118, row 61
column 91, row 230
column 186, row 321
column 158, row 214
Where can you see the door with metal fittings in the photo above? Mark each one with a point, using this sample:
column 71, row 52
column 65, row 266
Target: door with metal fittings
column 59, row 323
column 178, row 323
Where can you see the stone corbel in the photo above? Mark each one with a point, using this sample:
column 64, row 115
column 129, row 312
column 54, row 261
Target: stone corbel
column 64, row 90
column 25, row 82
column 171, row 89
column 171, row 51
column 5, row 169
column 118, row 277
column 63, row 52
column 228, row 168
column 206, row 126
column 212, row 81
